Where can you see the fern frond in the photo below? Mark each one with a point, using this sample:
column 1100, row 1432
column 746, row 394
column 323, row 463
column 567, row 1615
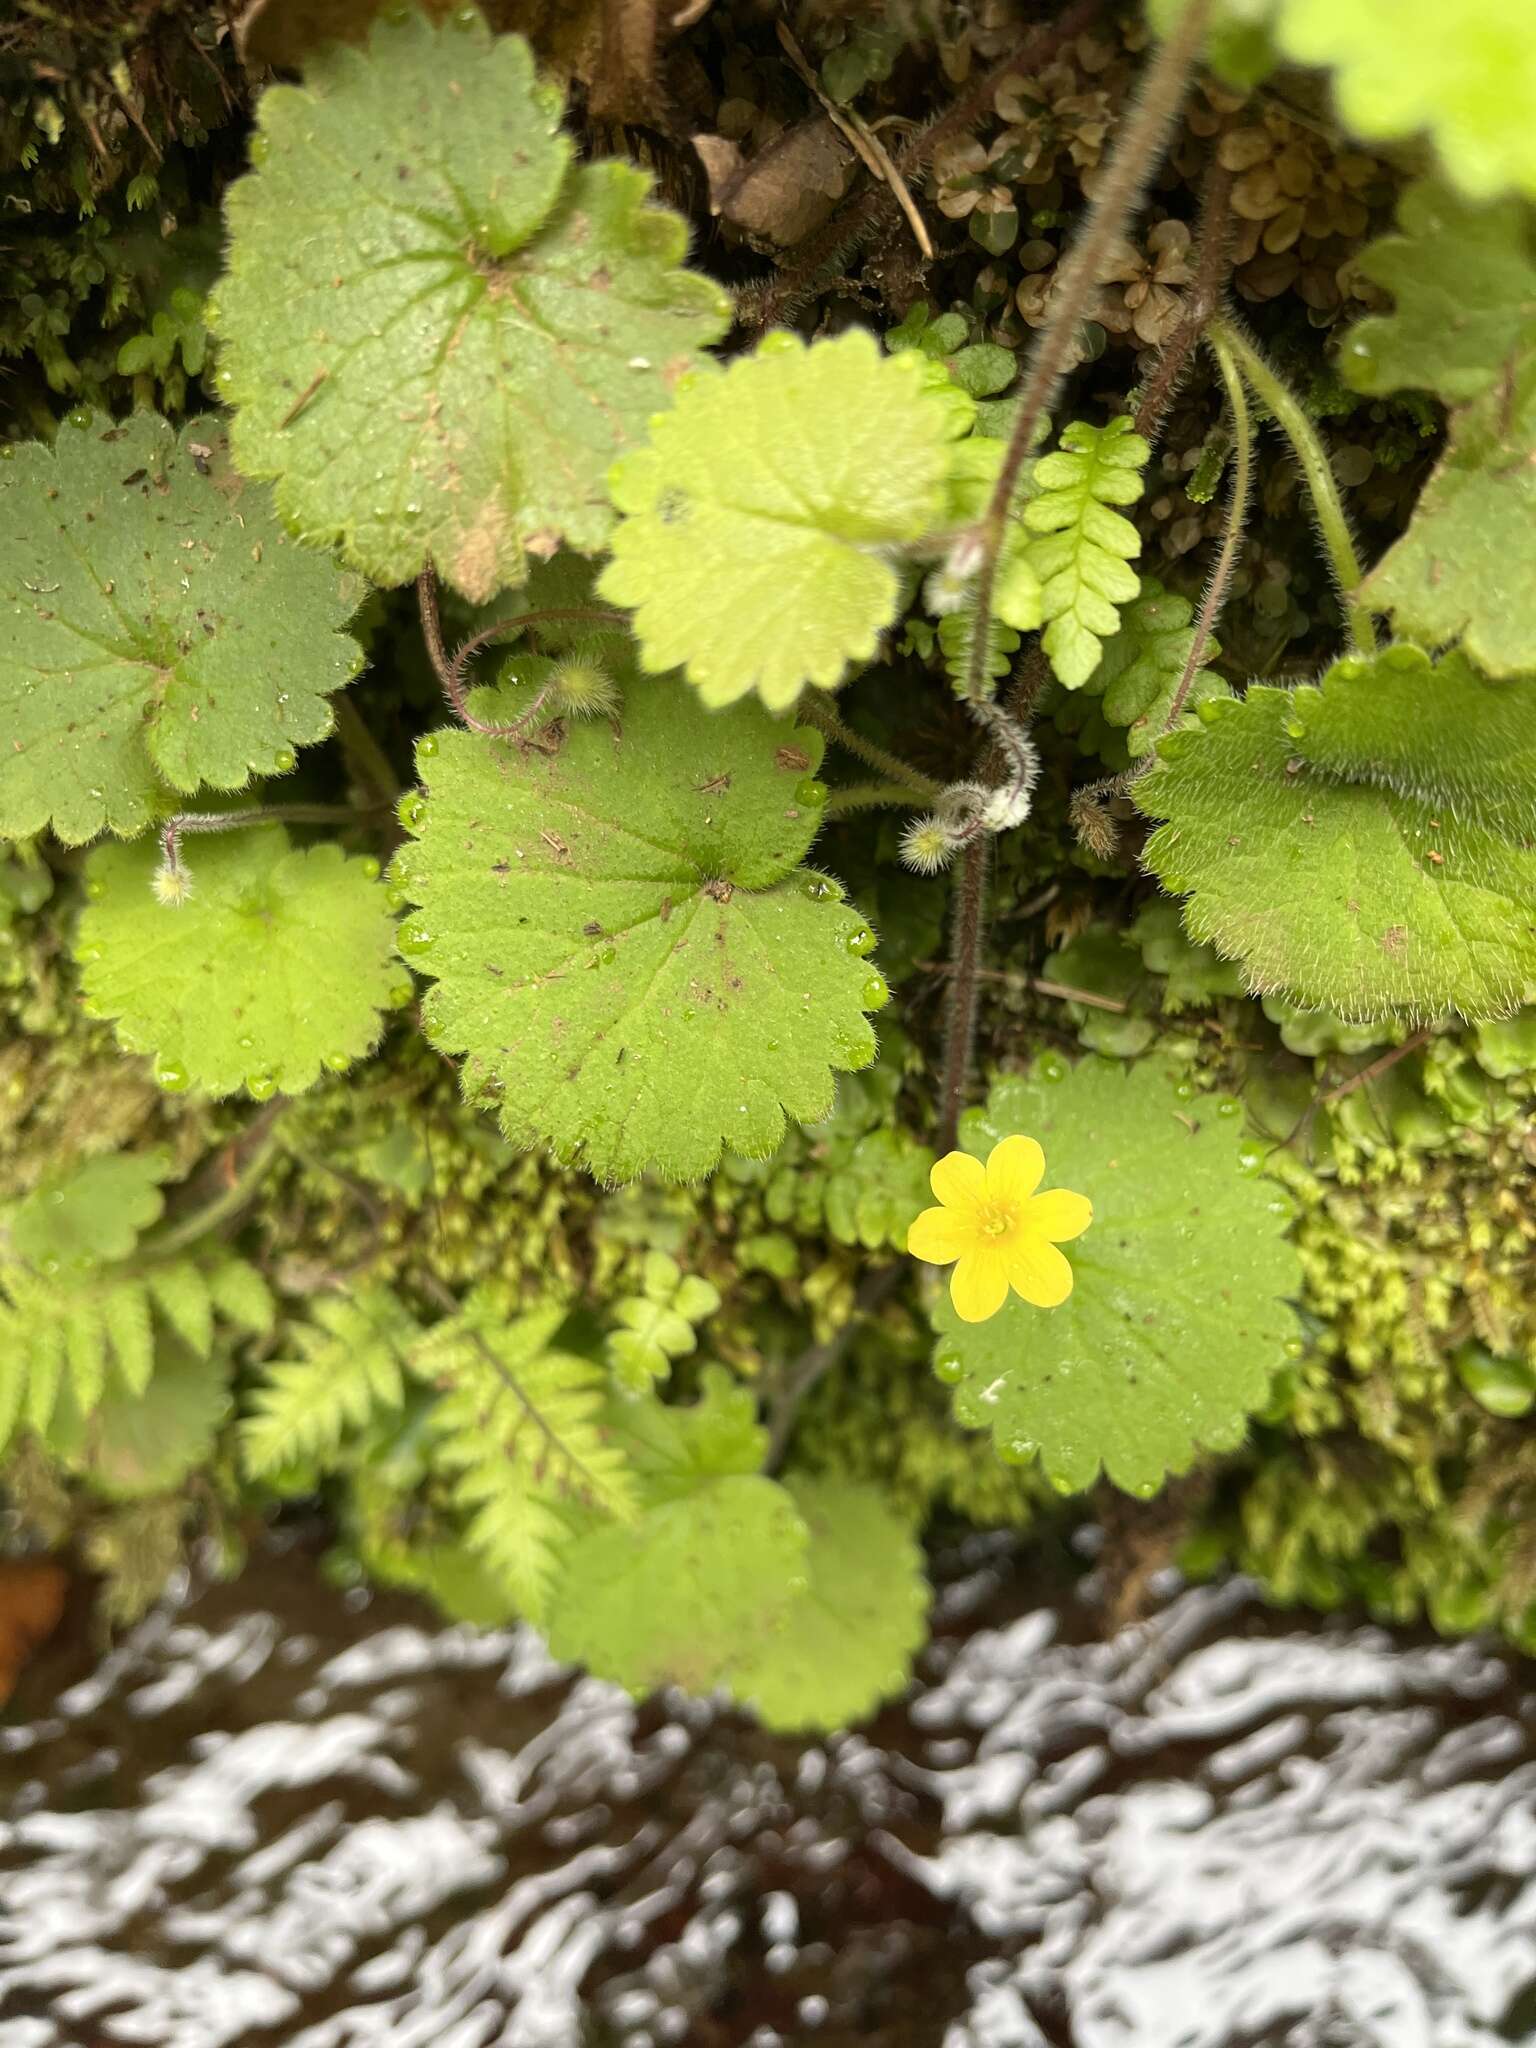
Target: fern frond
column 90, row 1331
column 522, row 1427
column 1082, row 550
column 349, row 1367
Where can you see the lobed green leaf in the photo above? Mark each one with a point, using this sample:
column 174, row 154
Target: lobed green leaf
column 162, row 629
column 624, row 944
column 437, row 332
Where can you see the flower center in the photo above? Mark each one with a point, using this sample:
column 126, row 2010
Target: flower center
column 997, row 1219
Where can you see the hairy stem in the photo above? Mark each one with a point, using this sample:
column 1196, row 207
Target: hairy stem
column 1135, row 156
column 243, row 1163
column 1220, row 577
column 970, row 894
column 814, row 709
column 174, row 830
column 874, row 796
column 812, row 1366
column 452, row 670
column 369, row 764
column 1276, row 396
column 1213, row 243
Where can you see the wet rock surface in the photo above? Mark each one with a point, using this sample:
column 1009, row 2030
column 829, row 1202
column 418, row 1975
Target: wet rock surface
column 282, row 1815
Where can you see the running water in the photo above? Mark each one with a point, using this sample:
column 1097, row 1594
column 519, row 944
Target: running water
column 283, row 1817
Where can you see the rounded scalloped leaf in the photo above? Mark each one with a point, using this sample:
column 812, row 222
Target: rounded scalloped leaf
column 853, row 1631
column 277, row 965
column 161, row 628
column 1178, row 1313
column 89, row 1215
column 1466, row 568
column 623, row 943
column 1365, row 847
column 1465, row 71
column 687, row 1592
column 437, row 332
column 752, row 543
column 1464, row 280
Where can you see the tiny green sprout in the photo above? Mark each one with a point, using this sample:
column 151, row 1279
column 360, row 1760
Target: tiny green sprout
column 583, row 689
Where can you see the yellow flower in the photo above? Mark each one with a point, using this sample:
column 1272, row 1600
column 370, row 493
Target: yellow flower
column 1002, row 1233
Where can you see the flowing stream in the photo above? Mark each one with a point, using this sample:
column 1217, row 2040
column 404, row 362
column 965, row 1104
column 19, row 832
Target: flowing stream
column 279, row 1816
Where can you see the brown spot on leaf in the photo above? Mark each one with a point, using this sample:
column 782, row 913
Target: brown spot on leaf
column 487, row 555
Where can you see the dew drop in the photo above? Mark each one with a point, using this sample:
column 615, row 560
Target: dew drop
column 876, row 992
column 260, row 1087
column 859, row 941
column 337, row 1062
column 1051, row 1067
column 399, row 993
column 821, row 889
column 370, row 867
column 172, row 1076
column 426, row 747
column 1016, row 1450
column 949, row 1366
column 415, row 939
column 412, row 810
column 1229, row 1106
column 810, row 792
column 284, row 760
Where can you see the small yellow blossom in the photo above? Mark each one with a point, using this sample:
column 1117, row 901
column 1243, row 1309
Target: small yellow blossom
column 999, row 1230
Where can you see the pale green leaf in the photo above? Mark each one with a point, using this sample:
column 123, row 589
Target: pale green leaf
column 1177, row 1316
column 1466, row 72
column 674, row 1448
column 1466, row 568
column 754, row 546
column 278, row 963
column 1365, row 847
column 623, row 944
column 437, row 332
column 143, row 1441
column 851, row 1634
column 688, row 1592
column 1143, row 663
column 161, row 628
column 348, row 1367
column 1464, row 280
column 1083, row 548
column 90, row 1215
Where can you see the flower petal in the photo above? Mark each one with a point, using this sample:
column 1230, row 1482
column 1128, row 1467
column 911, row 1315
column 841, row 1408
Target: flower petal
column 1014, row 1170
column 939, row 1235
column 978, row 1286
column 958, row 1179
column 1039, row 1273
column 1059, row 1215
